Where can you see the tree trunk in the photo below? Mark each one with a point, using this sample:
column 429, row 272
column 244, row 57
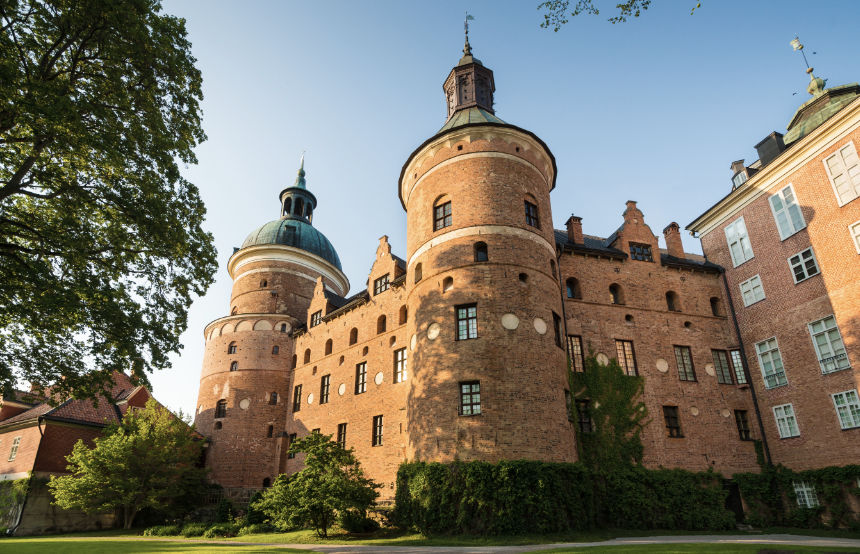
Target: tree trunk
column 128, row 513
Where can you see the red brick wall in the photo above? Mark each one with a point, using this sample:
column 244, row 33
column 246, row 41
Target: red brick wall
column 27, row 449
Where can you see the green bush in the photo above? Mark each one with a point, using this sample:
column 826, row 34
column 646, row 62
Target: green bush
column 162, row 531
column 221, row 530
column 353, row 521
column 255, row 528
column 194, row 529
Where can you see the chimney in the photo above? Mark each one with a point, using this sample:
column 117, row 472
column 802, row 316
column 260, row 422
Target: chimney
column 770, row 147
column 674, row 246
column 737, row 166
column 574, row 229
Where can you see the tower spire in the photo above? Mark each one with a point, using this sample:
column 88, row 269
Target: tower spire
column 467, row 48
column 300, row 178
column 816, row 84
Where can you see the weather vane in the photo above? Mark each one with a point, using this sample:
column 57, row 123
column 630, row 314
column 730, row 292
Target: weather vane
column 466, row 24
column 816, row 84
column 799, row 48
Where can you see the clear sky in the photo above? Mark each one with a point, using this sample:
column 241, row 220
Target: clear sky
column 652, row 110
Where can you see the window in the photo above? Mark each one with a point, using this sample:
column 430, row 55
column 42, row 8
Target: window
column 722, row 367
column 380, row 324
column 470, row 398
column 467, row 322
column 267, row 483
column 847, row 408
column 786, row 423
column 418, row 272
column 854, row 229
column 803, row 265
column 626, row 356
column 400, row 365
column 615, row 294
column 264, row 284
column 232, row 348
column 573, row 290
column 583, row 416
column 273, row 399
column 307, row 357
column 283, row 327
column 270, row 432
column 481, row 252
column 290, row 440
column 556, row 325
column 295, row 361
column 380, row 285
column 743, row 424
column 672, row 303
column 377, row 431
column 404, row 313
column 353, row 336
column 16, row 442
column 276, row 349
column 574, row 350
column 221, row 409
column 684, row 359
column 786, row 212
column 844, row 172
column 442, row 216
column 805, row 493
column 218, row 425
column 752, row 291
column 673, row 424
column 328, row 347
column 739, row 179
column 739, row 242
column 738, row 365
column 532, row 215
column 297, row 398
column 828, row 345
column 447, row 284
column 341, row 435
column 316, row 318
column 770, row 361
column 234, row 366
column 641, row 252
column 360, row 377
column 716, row 309
column 324, row 387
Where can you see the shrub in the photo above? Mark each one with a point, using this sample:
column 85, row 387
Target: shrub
column 224, row 511
column 353, row 521
column 221, row 530
column 162, row 531
column 255, row 528
column 194, row 529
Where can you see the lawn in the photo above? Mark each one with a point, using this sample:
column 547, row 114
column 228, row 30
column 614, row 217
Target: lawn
column 699, row 547
column 111, row 545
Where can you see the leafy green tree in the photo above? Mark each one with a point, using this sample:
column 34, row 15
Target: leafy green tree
column 101, row 245
column 149, row 460
column 331, row 482
column 557, row 12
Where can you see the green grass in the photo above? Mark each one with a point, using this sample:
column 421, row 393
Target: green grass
column 695, row 548
column 110, row 545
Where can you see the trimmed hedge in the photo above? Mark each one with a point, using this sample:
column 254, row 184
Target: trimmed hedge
column 517, row 497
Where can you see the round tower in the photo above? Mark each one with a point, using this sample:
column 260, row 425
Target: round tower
column 490, row 368
column 244, row 383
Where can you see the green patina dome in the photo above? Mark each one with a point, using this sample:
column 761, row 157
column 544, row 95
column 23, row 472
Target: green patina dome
column 295, row 233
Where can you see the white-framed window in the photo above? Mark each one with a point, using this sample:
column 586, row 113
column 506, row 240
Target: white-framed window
column 803, row 265
column 770, row 361
column 844, row 172
column 752, row 291
column 739, row 242
column 854, row 229
column 786, row 212
column 828, row 345
column 16, row 442
column 847, row 408
column 786, row 423
column 805, row 493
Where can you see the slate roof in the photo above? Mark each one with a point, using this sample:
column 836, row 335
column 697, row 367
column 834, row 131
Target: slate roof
column 296, row 233
column 471, row 115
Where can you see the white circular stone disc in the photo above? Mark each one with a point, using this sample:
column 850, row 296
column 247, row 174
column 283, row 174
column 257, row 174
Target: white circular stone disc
column 311, row 398
column 694, row 410
column 341, row 389
column 413, row 342
column 433, row 331
column 244, row 403
column 662, row 365
column 510, row 321
column 540, row 326
column 725, row 413
column 378, row 378
column 709, row 369
column 602, row 358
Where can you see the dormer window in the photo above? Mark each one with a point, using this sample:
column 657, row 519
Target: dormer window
column 316, row 318
column 739, row 178
column 380, row 285
column 641, row 252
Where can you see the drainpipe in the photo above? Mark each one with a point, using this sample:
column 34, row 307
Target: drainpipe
column 746, row 369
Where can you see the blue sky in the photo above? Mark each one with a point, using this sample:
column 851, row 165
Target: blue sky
column 652, row 110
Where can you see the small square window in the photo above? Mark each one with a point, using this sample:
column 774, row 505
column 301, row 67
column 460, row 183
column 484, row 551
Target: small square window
column 467, row 321
column 803, row 265
column 316, row 318
column 847, row 408
column 673, row 423
column 380, row 285
column 752, row 291
column 641, row 252
column 786, row 422
column 805, row 493
column 470, row 398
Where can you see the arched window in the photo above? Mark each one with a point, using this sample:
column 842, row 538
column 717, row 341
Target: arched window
column 441, row 213
column 269, row 433
column 300, row 207
column 264, row 284
column 418, row 272
column 221, row 409
column 307, row 355
column 288, row 204
column 531, row 209
column 283, row 327
column 234, row 366
column 234, row 311
column 231, row 349
column 403, row 314
column 672, row 302
column 380, row 324
column 353, row 335
column 309, row 210
column 481, row 252
column 276, row 349
column 573, row 288
column 295, row 361
column 616, row 296
column 273, row 399
column 328, row 347
column 447, row 284
column 716, row 308
column 267, row 482
column 217, row 425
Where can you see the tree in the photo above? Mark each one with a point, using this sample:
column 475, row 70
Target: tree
column 331, row 482
column 101, row 245
column 556, row 11
column 149, row 460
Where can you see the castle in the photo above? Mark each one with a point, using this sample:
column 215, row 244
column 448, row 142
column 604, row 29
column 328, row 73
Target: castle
column 460, row 349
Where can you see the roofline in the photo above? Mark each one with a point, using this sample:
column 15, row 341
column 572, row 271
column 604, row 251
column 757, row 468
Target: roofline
column 439, row 135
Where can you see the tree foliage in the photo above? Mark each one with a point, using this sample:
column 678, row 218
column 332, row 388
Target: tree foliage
column 331, row 482
column 557, row 12
column 101, row 245
column 148, row 461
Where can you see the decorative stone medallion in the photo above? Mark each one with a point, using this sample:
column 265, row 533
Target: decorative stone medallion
column 510, row 321
column 540, row 326
column 725, row 412
column 694, row 410
column 709, row 369
column 433, row 331
column 244, row 403
column 412, row 342
column 341, row 389
column 602, row 358
column 662, row 365
column 311, row 398
column 378, row 378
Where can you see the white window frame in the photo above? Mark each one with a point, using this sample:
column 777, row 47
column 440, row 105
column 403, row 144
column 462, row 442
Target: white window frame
column 854, row 231
column 784, row 416
column 836, row 361
column 805, row 494
column 802, row 264
column 743, row 240
column 838, row 152
column 13, row 452
column 849, row 414
column 751, row 290
column 761, row 362
column 786, row 210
